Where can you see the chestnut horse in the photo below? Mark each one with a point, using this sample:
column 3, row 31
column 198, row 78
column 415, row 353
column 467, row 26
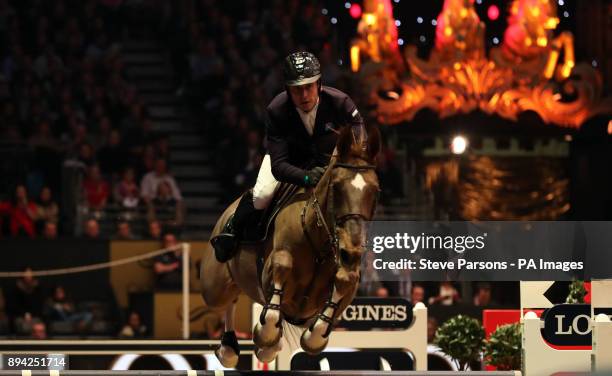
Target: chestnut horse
column 312, row 260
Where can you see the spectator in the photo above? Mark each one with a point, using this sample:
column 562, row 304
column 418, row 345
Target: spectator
column 124, row 231
column 432, row 327
column 168, row 267
column 162, row 147
column 134, row 327
column 370, row 283
column 112, row 156
column 152, row 179
column 448, row 295
column 96, row 190
column 127, row 193
column 47, row 209
column 39, row 330
column 254, row 156
column 165, row 208
column 85, row 151
column 21, row 213
column 155, row 230
column 417, row 294
column 92, row 229
column 60, row 308
column 43, row 138
column 50, row 230
column 25, row 301
column 482, row 298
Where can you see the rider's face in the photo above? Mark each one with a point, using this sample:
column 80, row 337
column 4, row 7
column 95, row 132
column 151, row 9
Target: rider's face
column 305, row 96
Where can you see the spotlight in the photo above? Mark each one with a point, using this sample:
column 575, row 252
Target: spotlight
column 355, row 10
column 493, row 12
column 459, row 145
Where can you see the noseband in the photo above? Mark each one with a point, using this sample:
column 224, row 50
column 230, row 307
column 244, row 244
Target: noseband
column 338, row 220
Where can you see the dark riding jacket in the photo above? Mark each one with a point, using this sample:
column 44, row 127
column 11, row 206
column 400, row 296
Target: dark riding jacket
column 292, row 149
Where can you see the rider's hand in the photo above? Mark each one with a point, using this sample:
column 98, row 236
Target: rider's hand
column 313, row 176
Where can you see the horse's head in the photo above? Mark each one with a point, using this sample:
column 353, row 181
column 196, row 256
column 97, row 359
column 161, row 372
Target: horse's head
column 353, row 191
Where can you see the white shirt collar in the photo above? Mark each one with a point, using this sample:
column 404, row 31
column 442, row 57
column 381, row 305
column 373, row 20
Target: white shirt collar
column 308, row 118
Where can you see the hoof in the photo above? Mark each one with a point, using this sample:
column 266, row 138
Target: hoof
column 268, row 354
column 227, row 356
column 266, row 342
column 229, row 351
column 306, row 335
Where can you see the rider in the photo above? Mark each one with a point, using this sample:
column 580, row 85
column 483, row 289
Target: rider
column 302, row 126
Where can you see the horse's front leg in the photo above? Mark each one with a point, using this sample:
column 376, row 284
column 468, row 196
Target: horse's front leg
column 268, row 330
column 315, row 338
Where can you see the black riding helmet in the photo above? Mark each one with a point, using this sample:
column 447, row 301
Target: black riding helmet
column 301, row 68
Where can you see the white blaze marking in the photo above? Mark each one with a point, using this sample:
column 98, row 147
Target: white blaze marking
column 358, row 182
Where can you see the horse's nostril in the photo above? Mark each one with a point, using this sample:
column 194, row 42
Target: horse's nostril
column 344, row 256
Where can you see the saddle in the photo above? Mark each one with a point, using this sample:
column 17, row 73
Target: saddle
column 261, row 225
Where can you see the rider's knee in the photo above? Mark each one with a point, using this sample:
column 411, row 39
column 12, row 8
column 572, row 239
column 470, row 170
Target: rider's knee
column 262, row 198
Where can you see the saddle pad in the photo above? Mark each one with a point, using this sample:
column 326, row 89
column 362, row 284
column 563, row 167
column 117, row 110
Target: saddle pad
column 282, row 197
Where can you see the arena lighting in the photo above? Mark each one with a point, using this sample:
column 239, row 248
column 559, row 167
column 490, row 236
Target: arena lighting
column 493, row 12
column 355, row 10
column 393, row 95
column 459, row 145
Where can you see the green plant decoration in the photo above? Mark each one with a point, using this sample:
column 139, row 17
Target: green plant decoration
column 503, row 349
column 577, row 292
column 462, row 338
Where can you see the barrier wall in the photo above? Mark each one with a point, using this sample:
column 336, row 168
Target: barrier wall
column 412, row 339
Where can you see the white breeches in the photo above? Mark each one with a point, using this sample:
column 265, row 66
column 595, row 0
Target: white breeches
column 265, row 186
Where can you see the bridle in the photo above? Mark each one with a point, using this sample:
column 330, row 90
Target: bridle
column 337, row 220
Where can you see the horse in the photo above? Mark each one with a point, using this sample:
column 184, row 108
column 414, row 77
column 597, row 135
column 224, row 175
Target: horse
column 312, row 259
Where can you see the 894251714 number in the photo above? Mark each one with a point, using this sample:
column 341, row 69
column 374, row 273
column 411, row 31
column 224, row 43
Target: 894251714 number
column 34, row 361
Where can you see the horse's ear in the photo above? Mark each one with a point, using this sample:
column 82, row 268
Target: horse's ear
column 345, row 142
column 374, row 141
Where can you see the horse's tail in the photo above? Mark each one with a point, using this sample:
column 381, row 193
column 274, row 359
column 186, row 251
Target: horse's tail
column 291, row 336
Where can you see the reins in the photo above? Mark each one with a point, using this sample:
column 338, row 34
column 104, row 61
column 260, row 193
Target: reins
column 321, row 221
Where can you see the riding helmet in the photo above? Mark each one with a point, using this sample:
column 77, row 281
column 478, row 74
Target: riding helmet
column 301, row 68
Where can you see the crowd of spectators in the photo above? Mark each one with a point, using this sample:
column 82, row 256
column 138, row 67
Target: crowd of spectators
column 31, row 309
column 69, row 99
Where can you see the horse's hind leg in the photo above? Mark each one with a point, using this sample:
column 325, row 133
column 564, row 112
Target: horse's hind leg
column 229, row 350
column 220, row 293
column 267, row 331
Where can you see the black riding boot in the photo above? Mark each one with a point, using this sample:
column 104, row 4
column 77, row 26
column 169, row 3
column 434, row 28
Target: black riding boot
column 226, row 243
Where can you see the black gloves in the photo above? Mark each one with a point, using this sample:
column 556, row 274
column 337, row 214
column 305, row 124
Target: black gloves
column 313, row 176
